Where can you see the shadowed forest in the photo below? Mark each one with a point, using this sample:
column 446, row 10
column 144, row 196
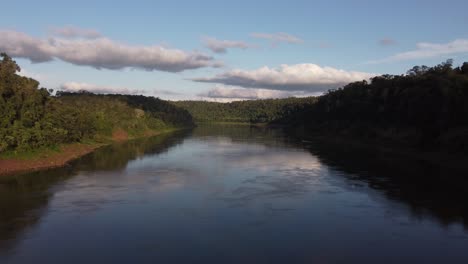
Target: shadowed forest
column 425, row 109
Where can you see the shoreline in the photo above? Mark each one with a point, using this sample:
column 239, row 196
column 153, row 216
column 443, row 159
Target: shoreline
column 455, row 161
column 440, row 158
column 49, row 159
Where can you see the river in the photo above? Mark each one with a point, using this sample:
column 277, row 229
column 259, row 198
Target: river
column 235, row 194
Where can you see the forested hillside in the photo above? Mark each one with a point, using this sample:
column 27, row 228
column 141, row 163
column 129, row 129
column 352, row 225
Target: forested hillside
column 256, row 111
column 426, row 108
column 153, row 107
column 31, row 118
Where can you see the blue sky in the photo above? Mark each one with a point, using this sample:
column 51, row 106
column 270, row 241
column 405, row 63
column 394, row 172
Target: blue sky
column 321, row 44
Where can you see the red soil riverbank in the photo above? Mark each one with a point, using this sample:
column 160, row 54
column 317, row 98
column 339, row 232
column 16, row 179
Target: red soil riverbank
column 50, row 159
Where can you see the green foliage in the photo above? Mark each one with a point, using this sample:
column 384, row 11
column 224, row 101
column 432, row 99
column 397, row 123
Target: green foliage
column 426, row 108
column 257, row 111
column 31, row 118
column 159, row 109
column 133, row 113
column 23, row 107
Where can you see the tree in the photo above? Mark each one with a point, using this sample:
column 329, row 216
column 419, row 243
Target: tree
column 8, row 66
column 464, row 68
column 30, row 117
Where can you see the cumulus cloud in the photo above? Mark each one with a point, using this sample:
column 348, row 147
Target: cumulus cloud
column 102, row 53
column 75, row 32
column 103, row 89
column 18, row 44
column 221, row 46
column 426, row 50
column 299, row 77
column 231, row 93
column 276, row 38
column 98, row 89
column 387, row 42
column 37, row 76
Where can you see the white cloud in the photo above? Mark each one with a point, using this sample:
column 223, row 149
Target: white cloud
column 75, row 32
column 98, row 89
column 426, row 50
column 310, row 78
column 233, row 93
column 276, row 38
column 221, row 46
column 37, row 76
column 103, row 89
column 102, row 53
column 18, row 44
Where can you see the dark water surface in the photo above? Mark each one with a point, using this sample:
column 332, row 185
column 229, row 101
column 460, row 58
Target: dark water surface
column 229, row 194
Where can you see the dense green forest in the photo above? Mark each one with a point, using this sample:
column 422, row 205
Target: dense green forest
column 153, row 107
column 426, row 108
column 256, row 111
column 33, row 118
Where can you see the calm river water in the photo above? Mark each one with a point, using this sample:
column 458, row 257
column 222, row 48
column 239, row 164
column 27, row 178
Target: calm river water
column 235, row 194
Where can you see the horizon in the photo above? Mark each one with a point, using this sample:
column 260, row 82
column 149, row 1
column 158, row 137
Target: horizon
column 227, row 51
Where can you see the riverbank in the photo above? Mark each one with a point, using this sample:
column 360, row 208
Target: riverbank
column 46, row 158
column 380, row 147
column 60, row 156
column 386, row 148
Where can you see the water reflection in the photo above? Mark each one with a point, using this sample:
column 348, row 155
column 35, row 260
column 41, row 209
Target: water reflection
column 23, row 198
column 234, row 194
column 429, row 190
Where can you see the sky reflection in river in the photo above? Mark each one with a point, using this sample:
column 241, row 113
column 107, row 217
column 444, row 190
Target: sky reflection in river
column 222, row 194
